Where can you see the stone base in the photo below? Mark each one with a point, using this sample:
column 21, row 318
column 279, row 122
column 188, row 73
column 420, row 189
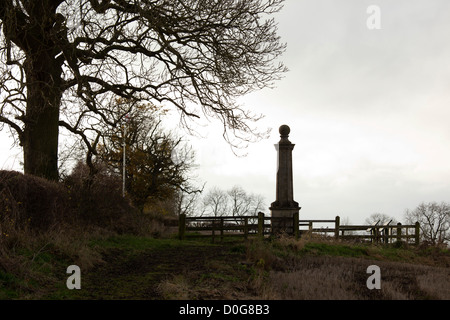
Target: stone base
column 283, row 220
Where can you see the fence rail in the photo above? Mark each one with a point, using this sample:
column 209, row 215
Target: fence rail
column 261, row 225
column 223, row 226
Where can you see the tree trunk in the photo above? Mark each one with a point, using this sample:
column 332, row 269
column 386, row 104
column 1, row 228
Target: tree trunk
column 40, row 139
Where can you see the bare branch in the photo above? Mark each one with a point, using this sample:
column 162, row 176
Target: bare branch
column 69, row 58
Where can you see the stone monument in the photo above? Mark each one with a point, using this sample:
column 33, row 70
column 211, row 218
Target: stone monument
column 284, row 208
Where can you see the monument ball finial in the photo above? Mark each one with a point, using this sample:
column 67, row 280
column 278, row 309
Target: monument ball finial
column 284, row 130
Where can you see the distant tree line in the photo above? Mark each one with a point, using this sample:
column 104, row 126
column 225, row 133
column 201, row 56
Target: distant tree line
column 233, row 202
column 218, row 202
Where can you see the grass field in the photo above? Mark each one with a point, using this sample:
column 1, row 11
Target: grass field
column 137, row 267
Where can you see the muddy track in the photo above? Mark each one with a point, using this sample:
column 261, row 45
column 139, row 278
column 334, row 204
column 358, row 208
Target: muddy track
column 138, row 277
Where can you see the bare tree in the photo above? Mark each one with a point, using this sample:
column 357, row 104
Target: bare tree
column 239, row 200
column 61, row 61
column 258, row 204
column 215, row 202
column 235, row 202
column 243, row 203
column 434, row 219
column 381, row 218
column 187, row 202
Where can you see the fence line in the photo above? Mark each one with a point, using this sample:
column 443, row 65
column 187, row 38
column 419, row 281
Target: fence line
column 257, row 225
column 223, row 226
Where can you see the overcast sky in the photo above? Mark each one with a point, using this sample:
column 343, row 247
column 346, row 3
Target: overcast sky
column 369, row 112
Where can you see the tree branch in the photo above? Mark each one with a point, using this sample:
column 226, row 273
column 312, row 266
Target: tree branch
column 13, row 125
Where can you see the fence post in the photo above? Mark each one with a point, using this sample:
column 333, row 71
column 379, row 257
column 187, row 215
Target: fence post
column 181, row 226
column 261, row 224
column 386, row 235
column 245, row 228
column 221, row 229
column 377, row 235
column 213, row 226
column 310, row 229
column 337, row 223
column 417, row 232
column 399, row 232
column 296, row 225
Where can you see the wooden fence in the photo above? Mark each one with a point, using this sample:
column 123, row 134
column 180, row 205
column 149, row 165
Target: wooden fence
column 260, row 225
column 225, row 226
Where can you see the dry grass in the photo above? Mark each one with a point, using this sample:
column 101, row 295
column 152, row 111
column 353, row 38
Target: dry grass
column 30, row 261
column 177, row 288
column 435, row 284
column 313, row 282
column 323, row 269
column 338, row 282
column 298, row 270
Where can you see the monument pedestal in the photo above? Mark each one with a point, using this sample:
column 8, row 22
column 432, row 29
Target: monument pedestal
column 283, row 220
column 284, row 207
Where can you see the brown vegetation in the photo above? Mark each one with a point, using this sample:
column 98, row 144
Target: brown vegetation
column 46, row 226
column 339, row 278
column 327, row 270
column 41, row 220
column 29, row 201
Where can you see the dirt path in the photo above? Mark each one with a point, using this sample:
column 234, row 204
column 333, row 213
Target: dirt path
column 140, row 276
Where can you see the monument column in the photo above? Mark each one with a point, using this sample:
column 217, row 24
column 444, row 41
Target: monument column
column 284, row 207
